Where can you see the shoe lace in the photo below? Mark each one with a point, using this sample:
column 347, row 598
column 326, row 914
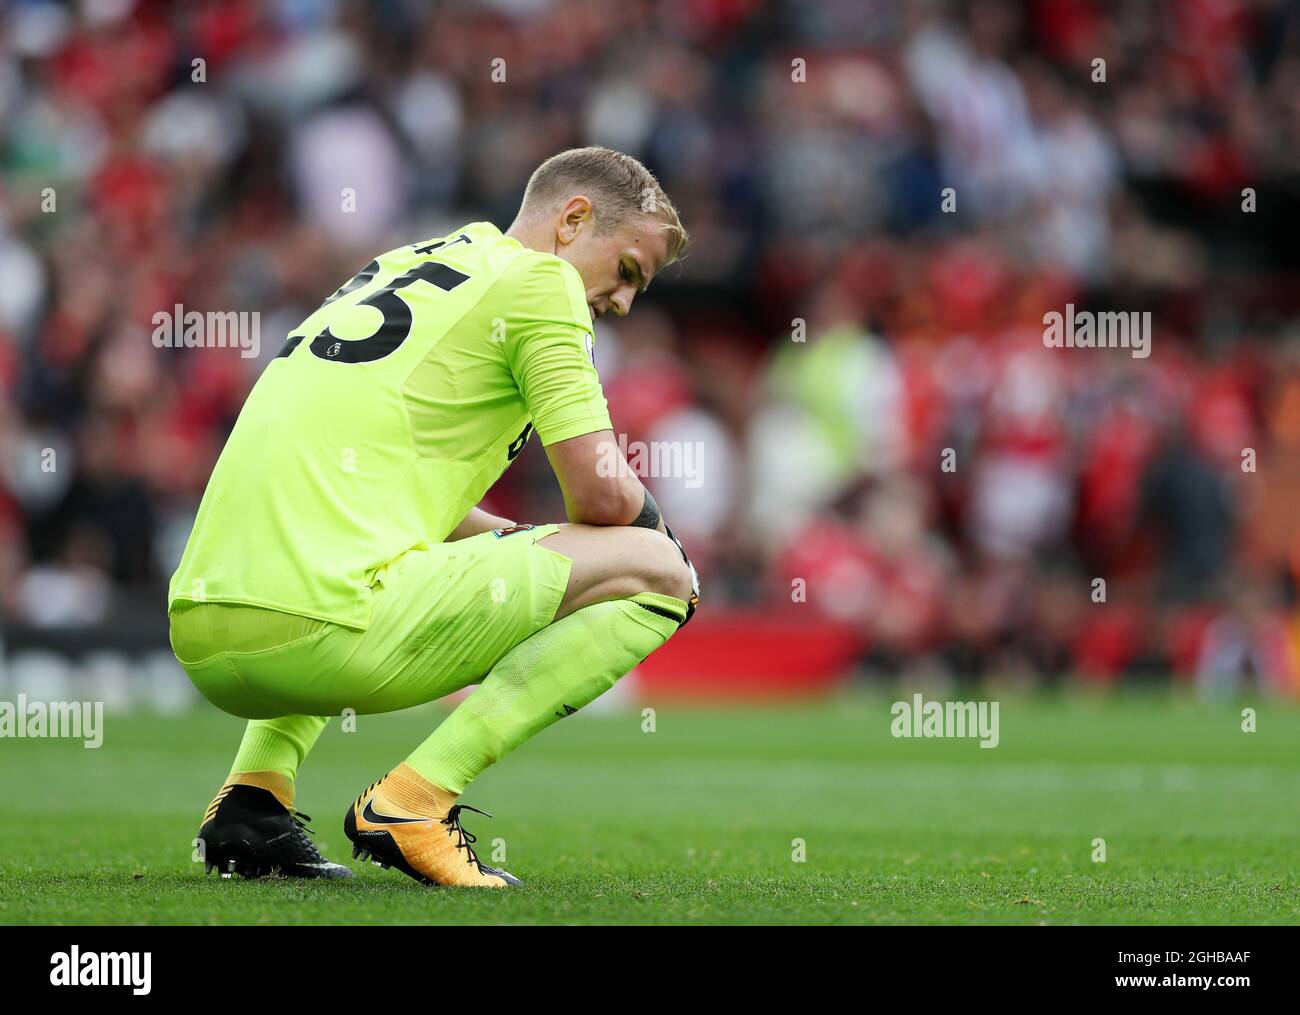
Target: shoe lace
column 369, row 789
column 310, row 853
column 465, row 839
column 300, row 820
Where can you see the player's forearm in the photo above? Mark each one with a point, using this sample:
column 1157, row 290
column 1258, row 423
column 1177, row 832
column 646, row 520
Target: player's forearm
column 615, row 504
column 476, row 522
column 599, row 486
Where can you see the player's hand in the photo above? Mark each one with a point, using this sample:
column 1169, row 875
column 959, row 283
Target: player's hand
column 695, row 576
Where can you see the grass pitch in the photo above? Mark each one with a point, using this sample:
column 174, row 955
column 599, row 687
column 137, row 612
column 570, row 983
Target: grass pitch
column 697, row 821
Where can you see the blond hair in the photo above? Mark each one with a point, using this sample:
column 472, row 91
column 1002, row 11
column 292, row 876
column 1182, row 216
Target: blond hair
column 619, row 186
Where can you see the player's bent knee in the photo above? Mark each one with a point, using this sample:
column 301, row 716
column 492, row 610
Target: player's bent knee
column 618, row 562
column 663, row 570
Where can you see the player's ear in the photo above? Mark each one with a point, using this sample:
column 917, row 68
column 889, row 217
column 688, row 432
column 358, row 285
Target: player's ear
column 576, row 212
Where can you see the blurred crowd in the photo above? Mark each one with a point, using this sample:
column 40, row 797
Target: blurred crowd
column 885, row 198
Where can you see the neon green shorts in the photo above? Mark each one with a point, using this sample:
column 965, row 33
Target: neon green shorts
column 441, row 617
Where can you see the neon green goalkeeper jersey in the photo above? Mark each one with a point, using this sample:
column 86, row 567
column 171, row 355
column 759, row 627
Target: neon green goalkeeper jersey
column 386, row 417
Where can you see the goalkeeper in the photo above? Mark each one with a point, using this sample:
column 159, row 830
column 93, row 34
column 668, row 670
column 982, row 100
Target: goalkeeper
column 339, row 561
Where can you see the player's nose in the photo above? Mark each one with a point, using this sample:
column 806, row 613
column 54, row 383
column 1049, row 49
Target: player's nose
column 621, row 302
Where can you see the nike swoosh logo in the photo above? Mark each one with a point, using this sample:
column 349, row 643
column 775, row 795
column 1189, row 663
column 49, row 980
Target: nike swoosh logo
column 383, row 819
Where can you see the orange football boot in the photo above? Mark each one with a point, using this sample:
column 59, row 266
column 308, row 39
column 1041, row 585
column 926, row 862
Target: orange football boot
column 419, row 833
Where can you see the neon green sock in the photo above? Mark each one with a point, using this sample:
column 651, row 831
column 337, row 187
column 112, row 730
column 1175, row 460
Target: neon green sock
column 278, row 745
column 548, row 676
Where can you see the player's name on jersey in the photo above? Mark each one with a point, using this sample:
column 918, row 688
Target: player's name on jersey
column 179, row 328
column 1083, row 329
